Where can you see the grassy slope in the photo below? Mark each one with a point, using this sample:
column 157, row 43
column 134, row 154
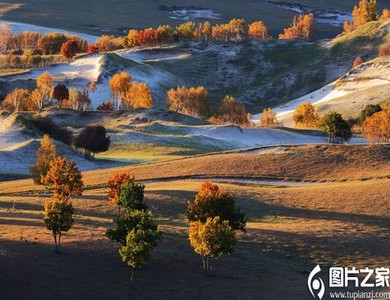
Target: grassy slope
column 311, row 162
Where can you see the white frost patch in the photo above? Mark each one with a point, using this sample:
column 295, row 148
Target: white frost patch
column 17, row 27
column 188, row 14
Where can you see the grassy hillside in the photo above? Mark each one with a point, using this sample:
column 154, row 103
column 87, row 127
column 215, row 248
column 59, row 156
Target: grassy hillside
column 302, row 163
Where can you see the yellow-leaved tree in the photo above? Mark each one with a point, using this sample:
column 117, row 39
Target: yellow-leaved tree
column 306, row 116
column 211, row 239
column 45, row 154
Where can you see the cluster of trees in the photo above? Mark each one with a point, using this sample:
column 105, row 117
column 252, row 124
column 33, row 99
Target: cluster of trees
column 128, row 93
column 135, row 228
column 373, row 120
column 43, row 95
column 234, row 31
column 213, row 220
column 332, row 123
column 302, row 27
column 375, row 123
column 27, row 48
column 194, row 101
column 366, row 11
column 64, row 180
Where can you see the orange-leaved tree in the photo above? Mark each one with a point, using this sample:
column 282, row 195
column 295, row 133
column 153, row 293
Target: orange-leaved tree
column 301, row 28
column 119, row 85
column 115, row 184
column 63, row 179
column 377, row 127
column 211, row 201
column 257, row 30
column 45, row 88
column 268, row 118
column 306, row 116
column 138, row 96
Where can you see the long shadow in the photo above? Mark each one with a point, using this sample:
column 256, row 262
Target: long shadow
column 172, row 205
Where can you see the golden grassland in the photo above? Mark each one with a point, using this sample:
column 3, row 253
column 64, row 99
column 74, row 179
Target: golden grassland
column 301, row 163
column 289, row 230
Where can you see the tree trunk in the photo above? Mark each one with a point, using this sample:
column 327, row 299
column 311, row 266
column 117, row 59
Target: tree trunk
column 55, row 242
column 132, row 276
column 59, row 242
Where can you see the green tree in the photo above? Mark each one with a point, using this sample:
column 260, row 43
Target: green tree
column 211, row 239
column 368, row 111
column 130, row 220
column 334, row 125
column 45, row 154
column 139, row 245
column 132, row 196
column 213, row 202
column 93, row 139
column 58, row 218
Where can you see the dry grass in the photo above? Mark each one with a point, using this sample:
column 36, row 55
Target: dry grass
column 289, row 230
column 302, row 163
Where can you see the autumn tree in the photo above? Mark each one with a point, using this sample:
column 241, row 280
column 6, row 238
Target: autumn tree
column 119, row 85
column 301, row 28
column 51, row 43
column 108, row 43
column 77, row 100
column 186, row 30
column 257, row 30
column 377, row 127
column 237, row 29
column 357, row 62
column 365, row 12
column 138, row 95
column 203, row 31
column 60, row 93
column 93, row 139
column 221, row 32
column 5, row 34
column 163, row 34
column 92, row 49
column 45, row 154
column 63, row 179
column 211, row 201
column 17, row 100
column 211, row 239
column 45, row 87
column 69, row 49
column 147, row 37
column 193, row 101
column 132, row 38
column 336, row 127
column 58, row 218
column 384, row 50
column 385, row 14
column 232, row 111
column 268, row 118
column 306, row 116
column 115, row 183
